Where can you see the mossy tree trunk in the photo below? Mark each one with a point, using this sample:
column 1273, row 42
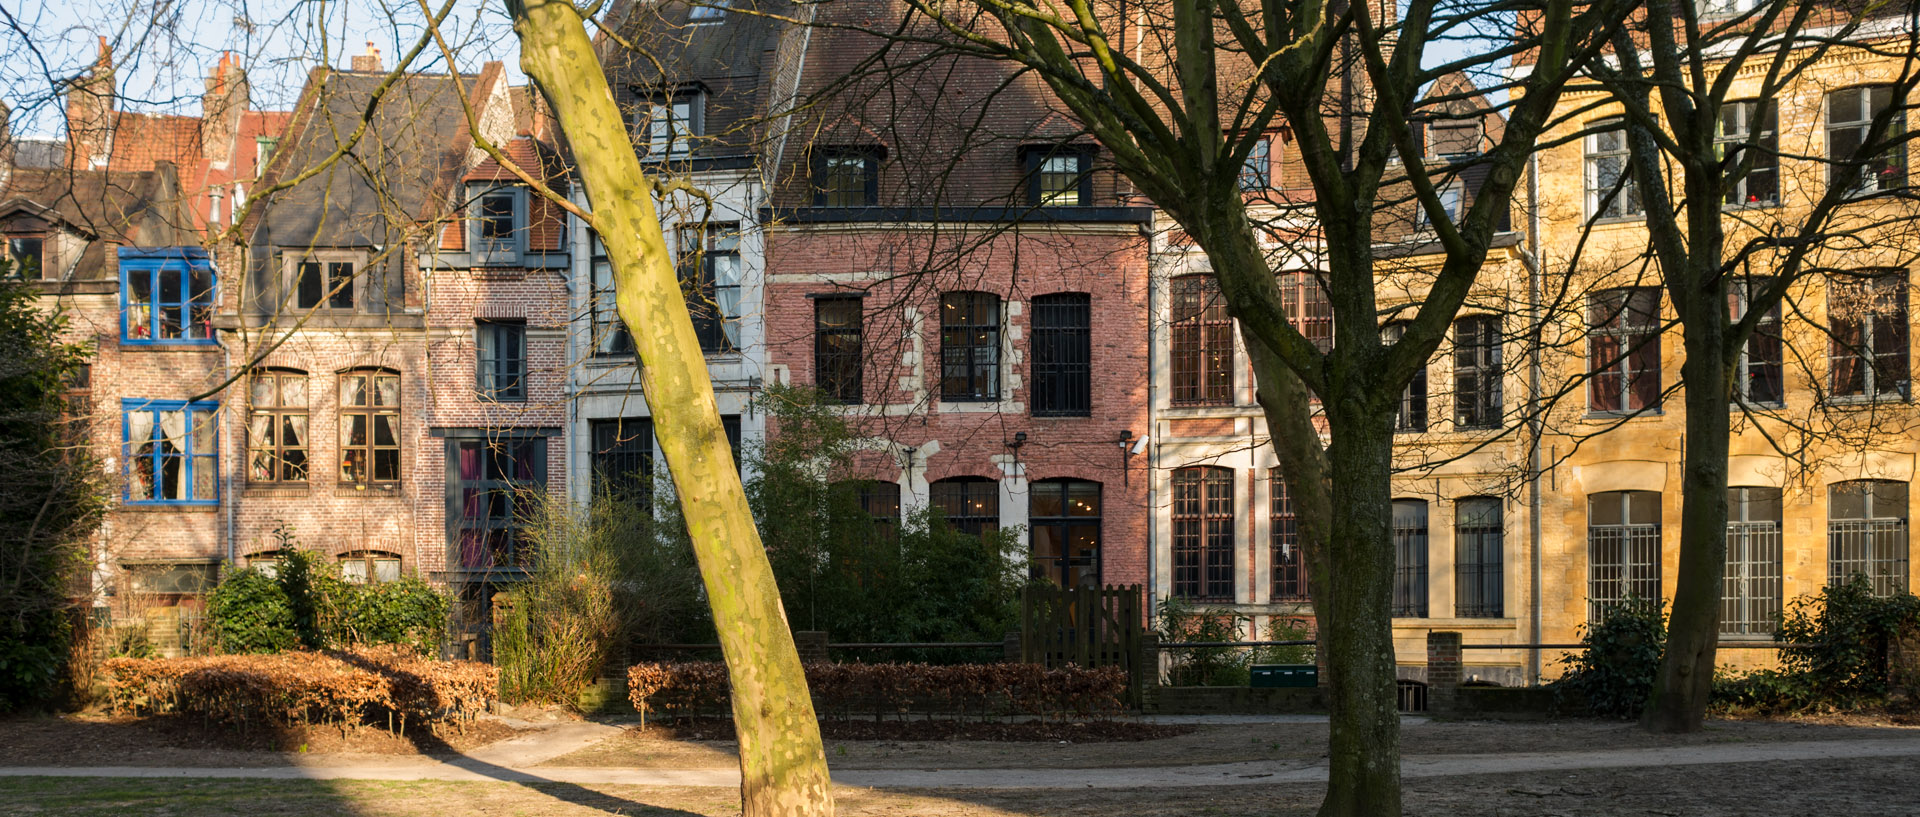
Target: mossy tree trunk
column 783, row 767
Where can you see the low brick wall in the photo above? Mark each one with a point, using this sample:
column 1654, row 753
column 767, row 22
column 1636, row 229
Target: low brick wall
column 1236, row 701
column 1503, row 703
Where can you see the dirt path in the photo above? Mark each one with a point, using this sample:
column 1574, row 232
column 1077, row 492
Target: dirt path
column 1228, row 774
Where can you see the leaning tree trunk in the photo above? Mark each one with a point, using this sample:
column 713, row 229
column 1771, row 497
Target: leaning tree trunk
column 1363, row 746
column 1685, row 680
column 783, row 769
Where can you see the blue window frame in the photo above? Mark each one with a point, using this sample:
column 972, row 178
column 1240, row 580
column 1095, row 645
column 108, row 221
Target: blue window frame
column 172, row 451
column 166, row 297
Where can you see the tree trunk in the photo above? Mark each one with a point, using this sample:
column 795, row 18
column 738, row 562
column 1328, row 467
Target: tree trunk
column 1685, row 680
column 783, row 769
column 1363, row 752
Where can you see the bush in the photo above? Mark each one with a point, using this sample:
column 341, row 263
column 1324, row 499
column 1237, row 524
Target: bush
column 847, row 691
column 1620, row 657
column 306, row 604
column 1204, row 666
column 1836, row 654
column 346, row 688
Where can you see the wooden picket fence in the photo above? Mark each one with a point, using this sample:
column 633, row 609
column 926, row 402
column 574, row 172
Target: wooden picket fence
column 1085, row 626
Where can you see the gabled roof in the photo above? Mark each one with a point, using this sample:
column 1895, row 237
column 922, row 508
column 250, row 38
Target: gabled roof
column 398, row 175
column 103, row 207
column 727, row 57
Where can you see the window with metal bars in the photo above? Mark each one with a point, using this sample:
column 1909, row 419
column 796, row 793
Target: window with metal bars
column 1747, row 136
column 1308, row 309
column 839, row 348
column 1063, row 355
column 501, row 352
column 1750, row 594
column 1289, row 564
column 1852, row 166
column 1201, row 343
column 1867, row 319
column 277, row 427
column 1412, row 414
column 1063, row 529
column 1410, row 558
column 1867, row 534
column 623, row 460
column 1476, row 372
column 971, row 505
column 1623, row 550
column 970, row 347
column 1479, row 541
column 1623, row 349
column 1758, row 376
column 1203, row 533
column 709, row 268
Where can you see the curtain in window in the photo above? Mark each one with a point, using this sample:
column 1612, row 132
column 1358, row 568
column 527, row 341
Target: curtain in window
column 473, row 541
column 140, row 436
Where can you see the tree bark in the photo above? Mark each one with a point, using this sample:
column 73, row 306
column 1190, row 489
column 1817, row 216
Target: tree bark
column 1685, row 681
column 783, row 768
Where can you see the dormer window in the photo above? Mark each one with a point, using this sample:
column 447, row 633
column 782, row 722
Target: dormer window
column 708, row 11
column 496, row 220
column 846, row 177
column 670, row 121
column 1058, row 175
column 1446, row 140
column 25, row 256
column 324, row 279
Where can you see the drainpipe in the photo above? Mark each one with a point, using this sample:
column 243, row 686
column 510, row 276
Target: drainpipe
column 1153, row 431
column 1530, row 256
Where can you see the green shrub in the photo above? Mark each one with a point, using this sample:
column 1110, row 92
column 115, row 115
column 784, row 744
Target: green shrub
column 1179, row 621
column 1841, row 635
column 1620, row 657
column 407, row 613
column 249, row 614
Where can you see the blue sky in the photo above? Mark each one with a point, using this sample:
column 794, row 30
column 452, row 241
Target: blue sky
column 164, row 48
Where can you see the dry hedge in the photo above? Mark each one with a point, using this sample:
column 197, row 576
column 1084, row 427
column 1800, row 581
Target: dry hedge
column 346, row 688
column 846, row 691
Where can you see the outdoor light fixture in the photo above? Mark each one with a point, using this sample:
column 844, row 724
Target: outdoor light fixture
column 1019, row 439
column 1129, row 446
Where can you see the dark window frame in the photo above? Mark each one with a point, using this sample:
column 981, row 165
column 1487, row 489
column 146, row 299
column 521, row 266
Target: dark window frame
column 969, row 504
column 27, row 256
column 1479, row 546
column 1760, row 373
column 1412, row 546
column 674, row 141
column 1076, row 516
column 486, row 513
column 1288, row 566
column 373, row 410
column 1045, row 186
column 500, row 360
column 1478, row 373
column 702, row 251
column 1734, row 137
column 865, row 189
column 1411, row 416
column 1061, row 346
column 970, row 356
column 1203, row 534
column 621, row 459
column 1200, row 343
column 839, row 348
column 1879, row 173
column 610, row 336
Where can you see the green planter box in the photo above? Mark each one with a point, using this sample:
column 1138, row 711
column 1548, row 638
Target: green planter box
column 1272, row 676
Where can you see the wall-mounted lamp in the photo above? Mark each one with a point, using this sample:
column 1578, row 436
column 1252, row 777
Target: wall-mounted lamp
column 1019, row 439
column 1129, row 446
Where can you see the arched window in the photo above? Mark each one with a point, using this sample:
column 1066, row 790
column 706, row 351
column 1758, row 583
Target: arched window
column 1200, row 341
column 881, row 500
column 1203, row 533
column 1289, row 564
column 971, row 505
column 364, row 566
column 1623, row 549
column 1410, row 558
column 277, row 426
column 1064, row 528
column 1867, row 534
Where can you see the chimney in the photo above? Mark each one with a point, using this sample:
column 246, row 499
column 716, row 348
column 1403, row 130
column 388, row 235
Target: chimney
column 226, row 101
column 90, row 114
column 368, row 62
